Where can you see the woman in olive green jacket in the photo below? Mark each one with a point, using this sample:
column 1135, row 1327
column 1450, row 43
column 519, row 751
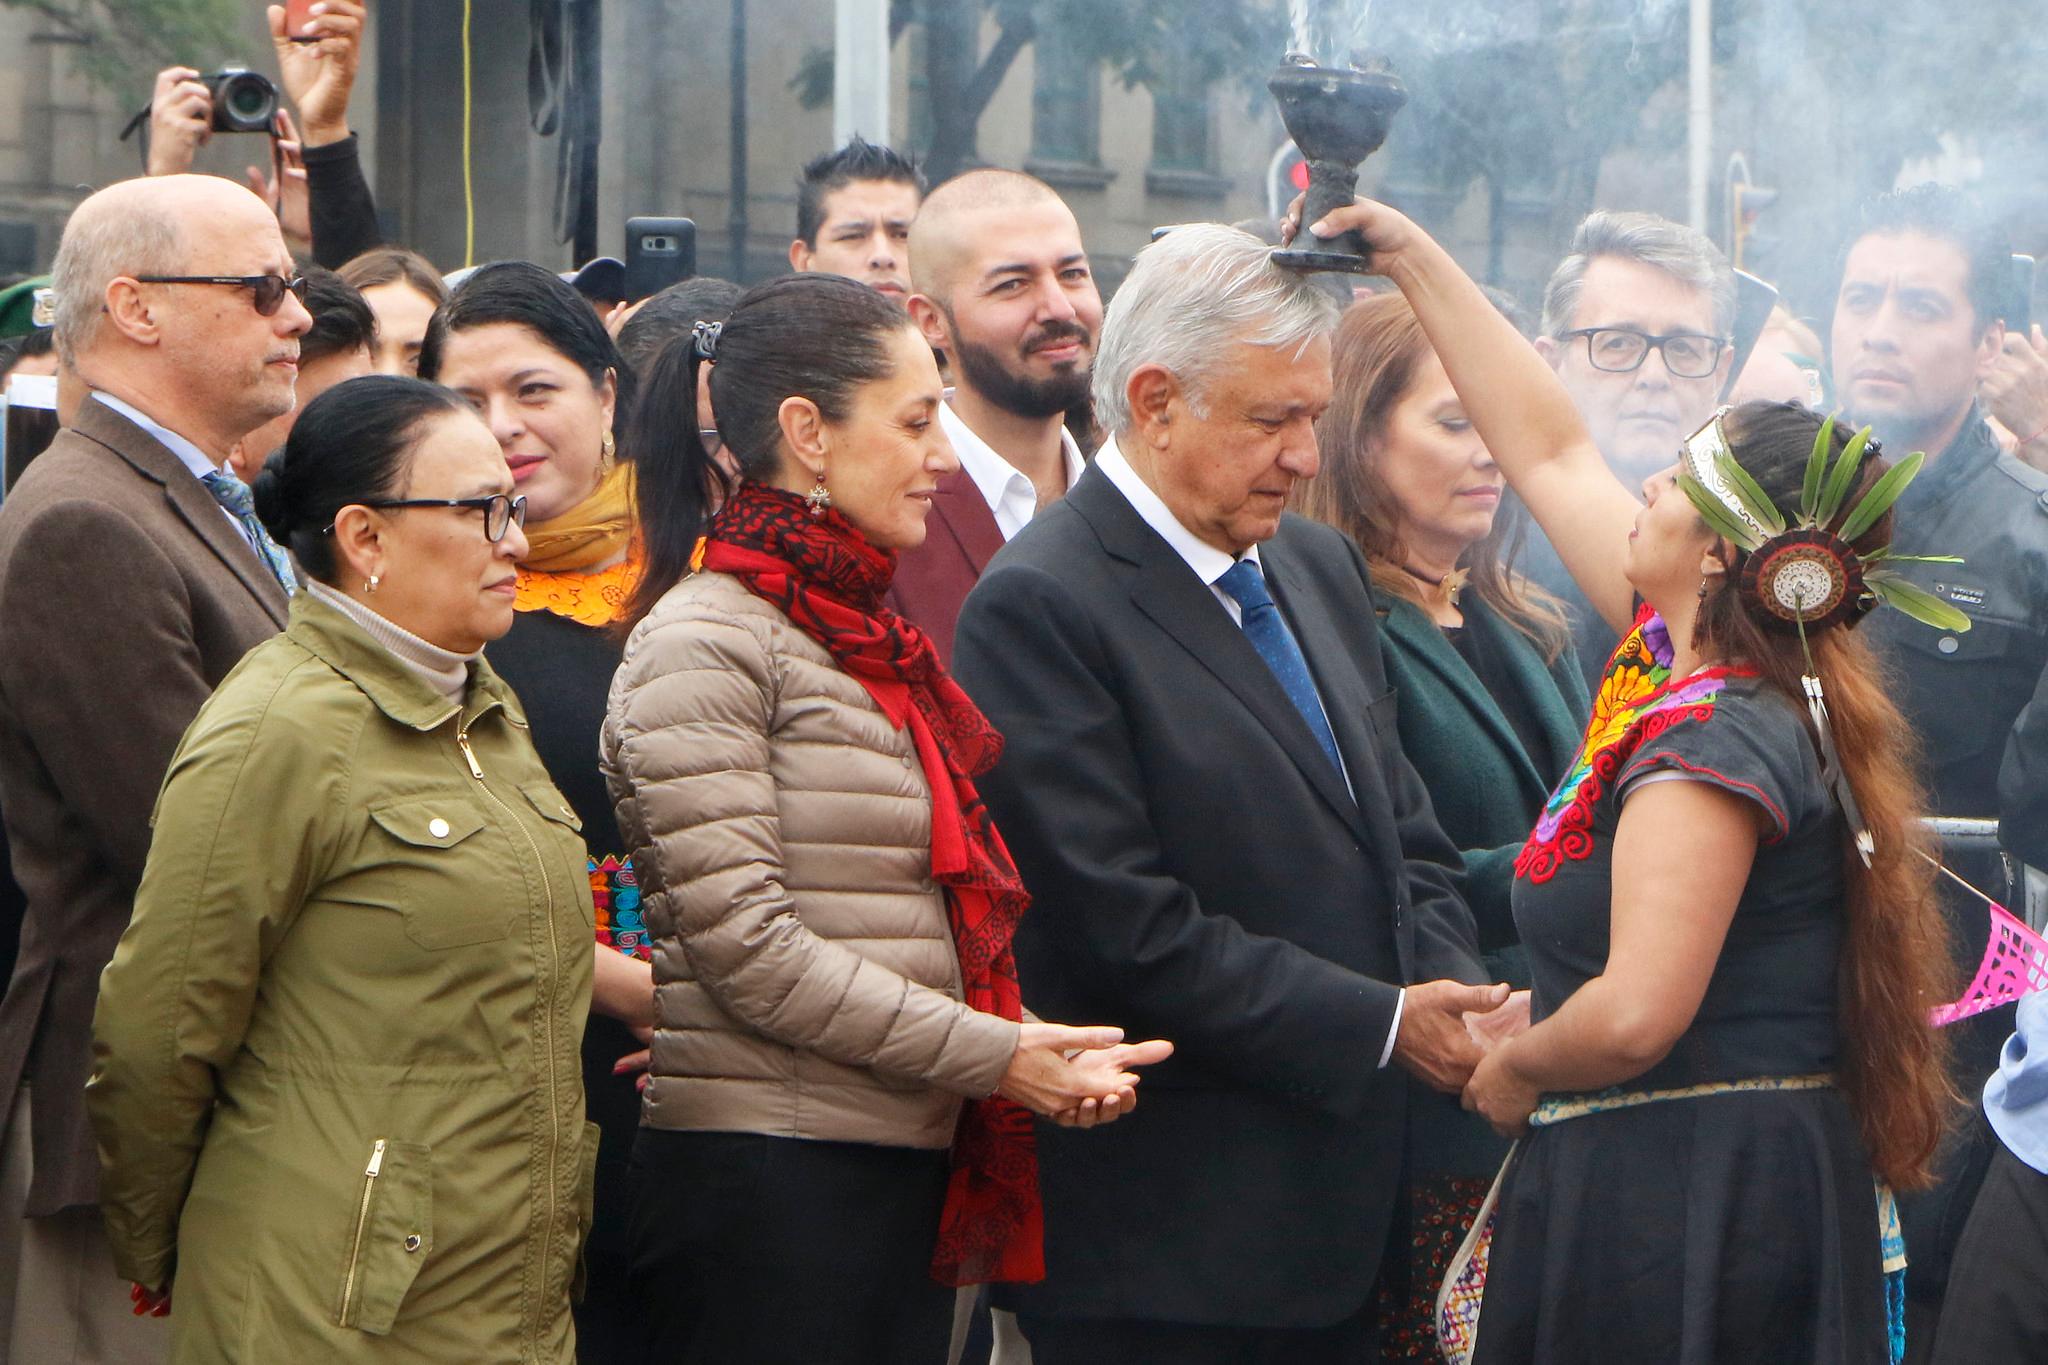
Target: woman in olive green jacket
column 336, row 1086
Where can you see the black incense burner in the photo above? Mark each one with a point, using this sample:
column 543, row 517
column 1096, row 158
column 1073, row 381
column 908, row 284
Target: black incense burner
column 1338, row 117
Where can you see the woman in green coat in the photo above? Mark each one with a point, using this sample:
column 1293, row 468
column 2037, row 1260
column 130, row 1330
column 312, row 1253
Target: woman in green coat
column 1491, row 700
column 336, row 1081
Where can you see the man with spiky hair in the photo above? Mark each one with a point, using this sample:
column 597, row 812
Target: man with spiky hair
column 853, row 213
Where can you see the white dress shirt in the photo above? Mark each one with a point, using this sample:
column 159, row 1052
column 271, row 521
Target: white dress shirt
column 1209, row 564
column 1010, row 496
column 188, row 454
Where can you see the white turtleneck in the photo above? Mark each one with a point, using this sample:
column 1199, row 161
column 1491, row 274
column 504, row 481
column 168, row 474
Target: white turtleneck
column 445, row 670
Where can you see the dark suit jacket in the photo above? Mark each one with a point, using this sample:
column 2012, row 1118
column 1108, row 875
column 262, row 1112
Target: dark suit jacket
column 932, row 580
column 1486, row 786
column 1200, row 873
column 125, row 596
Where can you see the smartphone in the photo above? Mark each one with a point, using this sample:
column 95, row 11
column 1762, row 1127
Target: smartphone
column 298, row 15
column 2019, row 316
column 659, row 252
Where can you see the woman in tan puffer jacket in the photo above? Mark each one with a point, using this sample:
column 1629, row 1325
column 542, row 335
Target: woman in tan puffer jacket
column 837, row 1121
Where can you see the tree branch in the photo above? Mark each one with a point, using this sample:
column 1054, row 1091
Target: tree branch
column 1017, row 32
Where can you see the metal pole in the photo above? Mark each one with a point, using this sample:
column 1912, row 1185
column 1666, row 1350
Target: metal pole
column 860, row 71
column 1700, row 120
column 736, row 192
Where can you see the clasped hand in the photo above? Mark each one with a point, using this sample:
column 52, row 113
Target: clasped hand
column 1077, row 1077
column 1433, row 1041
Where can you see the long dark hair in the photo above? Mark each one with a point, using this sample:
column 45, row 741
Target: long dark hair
column 1378, row 345
column 353, row 443
column 811, row 336
column 1895, row 961
column 526, row 294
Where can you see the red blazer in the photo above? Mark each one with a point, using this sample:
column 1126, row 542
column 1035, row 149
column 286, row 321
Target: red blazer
column 960, row 538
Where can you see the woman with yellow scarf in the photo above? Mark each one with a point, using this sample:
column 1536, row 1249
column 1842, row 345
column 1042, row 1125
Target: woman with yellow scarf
column 531, row 357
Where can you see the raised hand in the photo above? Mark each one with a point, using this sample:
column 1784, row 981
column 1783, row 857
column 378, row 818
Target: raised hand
column 289, row 196
column 180, row 120
column 320, row 75
column 2015, row 390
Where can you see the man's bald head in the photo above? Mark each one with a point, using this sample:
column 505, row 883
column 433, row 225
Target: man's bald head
column 957, row 215
column 155, row 225
column 193, row 351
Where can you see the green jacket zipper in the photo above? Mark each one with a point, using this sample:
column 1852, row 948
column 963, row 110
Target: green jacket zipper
column 355, row 1254
column 555, row 967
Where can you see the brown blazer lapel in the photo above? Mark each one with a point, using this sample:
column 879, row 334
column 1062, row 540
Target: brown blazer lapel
column 187, row 497
column 959, row 507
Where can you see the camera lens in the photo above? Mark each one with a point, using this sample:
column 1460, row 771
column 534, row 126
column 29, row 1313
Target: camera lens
column 248, row 99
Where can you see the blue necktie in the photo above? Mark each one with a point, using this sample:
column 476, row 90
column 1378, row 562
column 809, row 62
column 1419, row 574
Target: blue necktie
column 231, row 493
column 1268, row 633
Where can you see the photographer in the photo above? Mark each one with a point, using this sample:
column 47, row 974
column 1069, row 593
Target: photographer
column 316, row 185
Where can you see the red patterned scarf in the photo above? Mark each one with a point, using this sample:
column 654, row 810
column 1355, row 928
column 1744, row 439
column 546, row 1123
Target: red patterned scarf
column 830, row 580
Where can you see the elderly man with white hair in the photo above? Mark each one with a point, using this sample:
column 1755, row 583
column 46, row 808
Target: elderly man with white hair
column 1204, row 790
column 133, row 576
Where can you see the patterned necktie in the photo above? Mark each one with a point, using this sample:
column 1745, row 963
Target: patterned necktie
column 1268, row 633
column 231, row 493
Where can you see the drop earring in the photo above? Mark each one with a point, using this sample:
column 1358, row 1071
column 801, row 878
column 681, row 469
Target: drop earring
column 371, row 586
column 607, row 452
column 1699, row 619
column 819, row 499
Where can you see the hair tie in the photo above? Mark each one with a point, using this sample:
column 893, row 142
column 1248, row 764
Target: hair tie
column 704, row 339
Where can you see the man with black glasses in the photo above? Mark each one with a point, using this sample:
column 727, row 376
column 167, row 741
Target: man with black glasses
column 133, row 576
column 1636, row 322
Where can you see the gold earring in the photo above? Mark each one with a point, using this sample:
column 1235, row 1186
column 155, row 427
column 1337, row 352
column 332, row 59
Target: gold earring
column 819, row 498
column 607, row 448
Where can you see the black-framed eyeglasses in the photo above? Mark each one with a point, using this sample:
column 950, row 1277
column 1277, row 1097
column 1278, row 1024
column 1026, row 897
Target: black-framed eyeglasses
column 266, row 291
column 501, row 511
column 1622, row 350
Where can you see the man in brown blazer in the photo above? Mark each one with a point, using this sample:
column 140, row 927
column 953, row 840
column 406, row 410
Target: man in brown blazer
column 131, row 581
column 1005, row 292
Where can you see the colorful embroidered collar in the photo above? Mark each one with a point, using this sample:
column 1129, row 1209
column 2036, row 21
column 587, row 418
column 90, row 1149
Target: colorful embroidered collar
column 1637, row 686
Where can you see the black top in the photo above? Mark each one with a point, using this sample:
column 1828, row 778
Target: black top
column 1497, row 674
column 343, row 215
column 1977, row 502
column 562, row 672
column 1769, row 1008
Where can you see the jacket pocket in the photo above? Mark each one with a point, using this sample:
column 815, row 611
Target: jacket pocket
column 432, row 833
column 391, row 1236
column 549, row 803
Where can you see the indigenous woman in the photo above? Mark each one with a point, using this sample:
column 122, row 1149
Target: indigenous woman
column 1491, row 698
column 333, row 1056
column 1729, row 917
column 531, row 358
column 837, row 1005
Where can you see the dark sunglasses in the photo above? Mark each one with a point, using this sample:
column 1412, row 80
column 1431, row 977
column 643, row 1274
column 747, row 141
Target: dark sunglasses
column 266, row 291
column 501, row 510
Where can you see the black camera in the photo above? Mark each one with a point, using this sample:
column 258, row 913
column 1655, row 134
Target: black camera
column 244, row 101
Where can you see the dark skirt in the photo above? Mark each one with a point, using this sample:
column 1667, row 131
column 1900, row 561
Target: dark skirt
column 1739, row 1227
